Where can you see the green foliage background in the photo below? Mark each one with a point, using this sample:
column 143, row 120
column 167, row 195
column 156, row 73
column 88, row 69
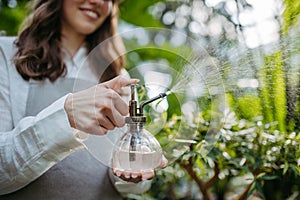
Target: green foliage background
column 257, row 153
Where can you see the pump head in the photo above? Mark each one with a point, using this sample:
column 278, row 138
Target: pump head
column 135, row 110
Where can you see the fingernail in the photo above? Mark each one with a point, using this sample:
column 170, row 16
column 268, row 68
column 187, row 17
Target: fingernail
column 118, row 173
column 134, row 175
column 127, row 176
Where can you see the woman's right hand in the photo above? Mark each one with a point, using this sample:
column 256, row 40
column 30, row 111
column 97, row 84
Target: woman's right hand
column 99, row 108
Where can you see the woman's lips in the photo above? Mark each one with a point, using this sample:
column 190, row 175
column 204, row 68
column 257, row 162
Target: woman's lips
column 90, row 13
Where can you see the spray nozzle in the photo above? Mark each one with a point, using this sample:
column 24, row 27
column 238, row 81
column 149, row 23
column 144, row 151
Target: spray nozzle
column 136, row 110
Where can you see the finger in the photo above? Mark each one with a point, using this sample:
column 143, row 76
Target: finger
column 147, row 175
column 117, row 172
column 105, row 122
column 97, row 130
column 136, row 179
column 164, row 162
column 119, row 82
column 105, row 111
column 126, row 176
column 135, row 175
column 120, row 105
column 115, row 117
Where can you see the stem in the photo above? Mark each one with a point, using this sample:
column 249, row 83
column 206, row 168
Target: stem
column 244, row 194
column 203, row 186
column 213, row 179
column 189, row 168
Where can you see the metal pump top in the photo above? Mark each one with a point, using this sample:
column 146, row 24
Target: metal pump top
column 135, row 110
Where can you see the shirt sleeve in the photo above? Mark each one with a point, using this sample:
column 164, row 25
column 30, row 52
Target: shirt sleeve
column 35, row 144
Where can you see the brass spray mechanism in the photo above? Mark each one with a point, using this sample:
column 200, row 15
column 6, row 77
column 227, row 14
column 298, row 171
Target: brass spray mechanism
column 135, row 110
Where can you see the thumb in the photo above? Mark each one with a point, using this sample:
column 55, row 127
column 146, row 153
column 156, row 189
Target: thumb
column 119, row 82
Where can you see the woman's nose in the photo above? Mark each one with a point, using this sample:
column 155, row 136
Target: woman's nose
column 105, row 5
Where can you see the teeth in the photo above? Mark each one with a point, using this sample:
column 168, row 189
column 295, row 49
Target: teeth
column 91, row 13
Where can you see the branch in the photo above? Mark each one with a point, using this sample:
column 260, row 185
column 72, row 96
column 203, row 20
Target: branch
column 213, row 179
column 202, row 185
column 244, row 194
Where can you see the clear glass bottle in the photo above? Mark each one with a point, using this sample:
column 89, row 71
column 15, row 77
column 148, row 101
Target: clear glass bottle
column 137, row 150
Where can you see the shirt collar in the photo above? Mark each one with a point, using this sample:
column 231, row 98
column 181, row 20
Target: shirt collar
column 77, row 59
column 74, row 64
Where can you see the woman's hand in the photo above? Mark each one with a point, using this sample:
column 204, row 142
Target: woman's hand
column 136, row 177
column 100, row 108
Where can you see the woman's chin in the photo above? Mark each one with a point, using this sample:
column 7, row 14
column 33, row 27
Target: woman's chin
column 87, row 29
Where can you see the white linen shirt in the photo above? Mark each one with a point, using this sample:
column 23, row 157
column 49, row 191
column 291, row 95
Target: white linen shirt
column 28, row 147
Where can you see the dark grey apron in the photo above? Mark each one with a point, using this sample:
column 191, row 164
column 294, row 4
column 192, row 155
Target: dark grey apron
column 79, row 176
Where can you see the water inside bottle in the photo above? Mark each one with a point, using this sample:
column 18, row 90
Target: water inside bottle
column 136, row 161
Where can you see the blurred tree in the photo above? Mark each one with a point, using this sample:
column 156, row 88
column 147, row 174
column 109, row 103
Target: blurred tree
column 12, row 13
column 258, row 148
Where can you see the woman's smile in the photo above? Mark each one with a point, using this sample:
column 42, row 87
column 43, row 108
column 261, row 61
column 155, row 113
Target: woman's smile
column 92, row 14
column 84, row 17
column 81, row 18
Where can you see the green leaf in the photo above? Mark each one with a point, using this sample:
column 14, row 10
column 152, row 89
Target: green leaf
column 249, row 106
column 268, row 178
column 259, row 189
column 251, row 190
column 291, row 14
column 257, row 164
column 286, row 167
column 260, row 175
column 11, row 20
column 136, row 13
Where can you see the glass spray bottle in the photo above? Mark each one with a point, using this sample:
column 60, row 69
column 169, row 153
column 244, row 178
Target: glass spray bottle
column 137, row 150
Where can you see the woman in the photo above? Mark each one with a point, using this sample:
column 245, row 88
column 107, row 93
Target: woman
column 43, row 117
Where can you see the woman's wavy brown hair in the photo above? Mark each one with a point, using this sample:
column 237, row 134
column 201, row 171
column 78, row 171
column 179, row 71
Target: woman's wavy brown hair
column 39, row 54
